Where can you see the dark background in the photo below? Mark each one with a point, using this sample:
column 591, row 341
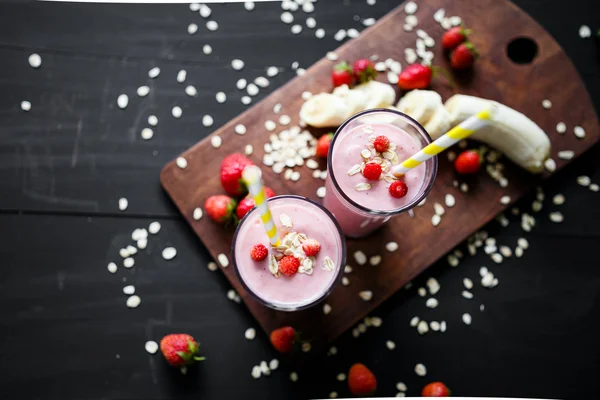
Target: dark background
column 65, row 332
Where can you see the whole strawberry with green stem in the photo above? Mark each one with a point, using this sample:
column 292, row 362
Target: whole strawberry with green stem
column 342, row 75
column 180, row 350
column 464, row 56
column 454, row 36
column 364, row 70
column 418, row 76
column 231, row 174
column 221, row 208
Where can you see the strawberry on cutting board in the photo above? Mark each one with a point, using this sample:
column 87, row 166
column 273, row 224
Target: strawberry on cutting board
column 468, row 162
column 231, row 174
column 323, row 145
column 361, row 380
column 342, row 75
column 247, row 203
column 454, row 36
column 221, row 208
column 463, row 56
column 364, row 70
column 180, row 349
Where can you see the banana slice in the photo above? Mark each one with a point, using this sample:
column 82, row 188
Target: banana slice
column 324, row 110
column 439, row 123
column 332, row 109
column 509, row 131
column 376, row 94
column 420, row 104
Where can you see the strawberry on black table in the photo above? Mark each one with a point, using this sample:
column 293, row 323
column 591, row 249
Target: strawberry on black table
column 231, row 174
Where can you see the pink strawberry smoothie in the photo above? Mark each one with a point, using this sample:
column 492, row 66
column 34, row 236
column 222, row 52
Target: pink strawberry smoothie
column 345, row 154
column 299, row 290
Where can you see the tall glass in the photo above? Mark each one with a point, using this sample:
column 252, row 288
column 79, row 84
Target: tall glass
column 303, row 289
column 356, row 216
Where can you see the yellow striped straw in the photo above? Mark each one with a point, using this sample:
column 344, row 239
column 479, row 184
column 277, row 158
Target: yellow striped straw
column 454, row 135
column 252, row 177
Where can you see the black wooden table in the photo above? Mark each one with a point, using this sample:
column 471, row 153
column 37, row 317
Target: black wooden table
column 65, row 332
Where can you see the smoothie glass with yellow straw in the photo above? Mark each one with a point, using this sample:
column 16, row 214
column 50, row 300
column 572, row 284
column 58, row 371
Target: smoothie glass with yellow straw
column 294, row 231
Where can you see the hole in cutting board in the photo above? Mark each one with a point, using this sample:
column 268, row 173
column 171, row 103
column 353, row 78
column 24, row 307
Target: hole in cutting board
column 522, row 50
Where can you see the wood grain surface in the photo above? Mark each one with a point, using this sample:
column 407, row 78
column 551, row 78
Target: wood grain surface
column 523, row 87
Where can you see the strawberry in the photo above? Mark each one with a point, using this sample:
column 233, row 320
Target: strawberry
column 372, row 171
column 311, row 247
column 435, row 389
column 381, row 143
column 231, row 174
column 288, row 265
column 398, row 189
column 180, row 349
column 364, row 70
column 467, row 162
column 259, row 252
column 220, row 208
column 463, row 56
column 247, row 203
column 342, row 75
column 361, row 380
column 283, row 339
column 323, row 145
column 454, row 36
column 415, row 76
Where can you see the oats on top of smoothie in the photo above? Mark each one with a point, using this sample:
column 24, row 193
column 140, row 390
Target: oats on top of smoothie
column 294, row 254
column 378, row 157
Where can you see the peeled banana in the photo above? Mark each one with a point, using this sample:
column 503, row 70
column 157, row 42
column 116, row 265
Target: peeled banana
column 332, row 109
column 509, row 131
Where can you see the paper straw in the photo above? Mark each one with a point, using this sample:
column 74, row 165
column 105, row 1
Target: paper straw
column 454, row 135
column 252, row 177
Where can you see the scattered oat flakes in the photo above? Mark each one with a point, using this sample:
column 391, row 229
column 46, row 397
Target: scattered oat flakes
column 151, row 347
column 177, row 112
column 112, row 267
column 237, row 64
column 466, row 318
column 585, row 32
column 420, row 369
column 154, row 72
column 366, row 295
column 556, row 217
column 326, row 309
column 181, row 162
column 250, row 334
column 579, row 132
column 216, row 141
column 123, row 203
column 431, row 302
column 147, row 133
column 547, row 104
column 133, row 301
column 223, row 260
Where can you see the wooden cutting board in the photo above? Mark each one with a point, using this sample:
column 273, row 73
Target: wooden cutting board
column 495, row 76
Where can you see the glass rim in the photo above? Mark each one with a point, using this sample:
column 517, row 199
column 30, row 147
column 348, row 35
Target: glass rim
column 334, row 282
column 417, row 199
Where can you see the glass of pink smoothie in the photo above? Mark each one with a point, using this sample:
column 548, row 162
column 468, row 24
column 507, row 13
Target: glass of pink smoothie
column 298, row 219
column 361, row 205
